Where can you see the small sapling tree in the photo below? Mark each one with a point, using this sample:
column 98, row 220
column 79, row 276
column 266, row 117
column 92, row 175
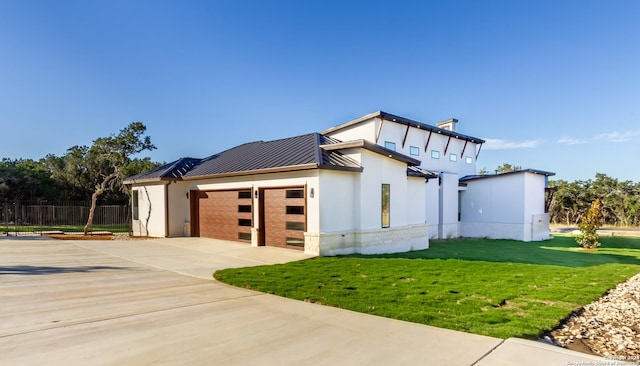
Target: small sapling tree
column 589, row 225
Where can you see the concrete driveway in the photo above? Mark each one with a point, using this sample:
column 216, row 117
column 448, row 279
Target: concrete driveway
column 154, row 303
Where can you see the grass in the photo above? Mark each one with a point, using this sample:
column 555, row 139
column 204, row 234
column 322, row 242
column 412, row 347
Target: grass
column 498, row 288
column 64, row 228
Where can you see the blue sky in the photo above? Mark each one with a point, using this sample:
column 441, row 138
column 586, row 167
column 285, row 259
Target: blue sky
column 551, row 85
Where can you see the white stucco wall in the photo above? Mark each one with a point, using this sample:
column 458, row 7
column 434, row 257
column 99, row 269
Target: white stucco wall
column 432, row 206
column 448, row 206
column 509, row 206
column 363, row 210
column 151, row 201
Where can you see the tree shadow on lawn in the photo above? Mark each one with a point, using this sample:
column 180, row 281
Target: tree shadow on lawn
column 560, row 251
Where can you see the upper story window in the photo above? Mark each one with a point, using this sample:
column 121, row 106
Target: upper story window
column 414, row 150
column 390, row 145
column 468, row 160
column 435, row 154
column 453, row 157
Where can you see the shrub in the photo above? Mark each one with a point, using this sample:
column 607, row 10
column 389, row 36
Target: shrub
column 589, row 225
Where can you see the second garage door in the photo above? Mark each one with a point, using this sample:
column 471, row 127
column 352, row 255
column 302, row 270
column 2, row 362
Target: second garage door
column 284, row 217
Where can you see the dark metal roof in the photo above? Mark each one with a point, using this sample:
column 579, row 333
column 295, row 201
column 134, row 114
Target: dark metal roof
column 416, row 171
column 534, row 171
column 371, row 147
column 406, row 122
column 294, row 153
column 173, row 170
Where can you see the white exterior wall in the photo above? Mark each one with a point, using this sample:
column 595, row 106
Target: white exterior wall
column 363, row 210
column 151, row 210
column 507, row 206
column 178, row 201
column 432, row 206
column 448, row 206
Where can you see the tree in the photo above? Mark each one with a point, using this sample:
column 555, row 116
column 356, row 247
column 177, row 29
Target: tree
column 589, row 225
column 506, row 167
column 102, row 166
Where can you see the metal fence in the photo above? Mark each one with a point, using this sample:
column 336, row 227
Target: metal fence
column 20, row 217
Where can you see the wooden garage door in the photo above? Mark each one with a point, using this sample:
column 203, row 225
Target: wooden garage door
column 285, row 217
column 225, row 215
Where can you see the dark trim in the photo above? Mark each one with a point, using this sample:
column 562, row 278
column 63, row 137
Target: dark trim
column 405, row 121
column 406, row 133
column 447, row 147
column 166, row 210
column 426, row 146
column 371, row 147
column 533, row 171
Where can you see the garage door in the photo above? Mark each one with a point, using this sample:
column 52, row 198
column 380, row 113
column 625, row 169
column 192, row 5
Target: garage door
column 225, row 215
column 284, row 217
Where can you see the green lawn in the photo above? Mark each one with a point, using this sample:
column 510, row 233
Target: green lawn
column 64, row 228
column 498, row 288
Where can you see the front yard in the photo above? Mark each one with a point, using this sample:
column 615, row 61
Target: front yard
column 498, row 288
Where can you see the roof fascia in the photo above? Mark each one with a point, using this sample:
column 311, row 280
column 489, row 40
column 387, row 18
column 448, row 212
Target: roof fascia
column 405, row 121
column 373, row 148
column 257, row 171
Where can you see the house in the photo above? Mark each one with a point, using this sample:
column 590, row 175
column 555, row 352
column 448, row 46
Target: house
column 377, row 184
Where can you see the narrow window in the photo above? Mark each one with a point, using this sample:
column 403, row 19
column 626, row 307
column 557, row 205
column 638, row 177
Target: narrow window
column 435, row 154
column 244, row 194
column 244, row 208
column 295, row 193
column 293, row 225
column 390, row 145
column 453, row 157
column 135, row 208
column 386, row 203
column 295, row 210
column 244, row 222
column 469, row 160
column 244, row 236
column 414, row 150
column 295, row 242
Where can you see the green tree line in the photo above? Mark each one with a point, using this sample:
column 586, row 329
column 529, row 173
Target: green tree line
column 620, row 200
column 83, row 173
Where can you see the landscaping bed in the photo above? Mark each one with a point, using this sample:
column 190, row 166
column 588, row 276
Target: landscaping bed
column 498, row 288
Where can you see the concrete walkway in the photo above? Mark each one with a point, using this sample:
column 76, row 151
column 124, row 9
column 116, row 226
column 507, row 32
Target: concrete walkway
column 154, row 302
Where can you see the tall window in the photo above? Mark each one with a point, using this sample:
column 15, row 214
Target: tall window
column 134, row 205
column 386, row 203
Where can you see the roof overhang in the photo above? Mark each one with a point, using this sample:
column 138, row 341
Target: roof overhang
column 354, row 144
column 256, row 171
column 405, row 121
column 523, row 171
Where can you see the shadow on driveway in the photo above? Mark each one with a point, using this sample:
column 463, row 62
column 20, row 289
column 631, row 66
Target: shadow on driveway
column 46, row 270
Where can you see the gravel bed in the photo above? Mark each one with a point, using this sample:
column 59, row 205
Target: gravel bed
column 609, row 327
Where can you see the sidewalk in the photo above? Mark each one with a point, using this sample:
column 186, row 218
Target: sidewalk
column 121, row 302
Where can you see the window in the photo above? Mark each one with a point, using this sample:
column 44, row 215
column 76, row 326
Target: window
column 295, row 210
column 244, row 194
column 244, row 236
column 435, row 154
column 295, row 242
column 390, row 145
column 414, row 150
column 244, row 222
column 468, row 160
column 135, row 208
column 295, row 193
column 244, row 208
column 291, row 225
column 453, row 157
column 386, row 203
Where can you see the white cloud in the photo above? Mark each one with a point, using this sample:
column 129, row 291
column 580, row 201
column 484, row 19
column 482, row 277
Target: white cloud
column 571, row 141
column 498, row 144
column 618, row 136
